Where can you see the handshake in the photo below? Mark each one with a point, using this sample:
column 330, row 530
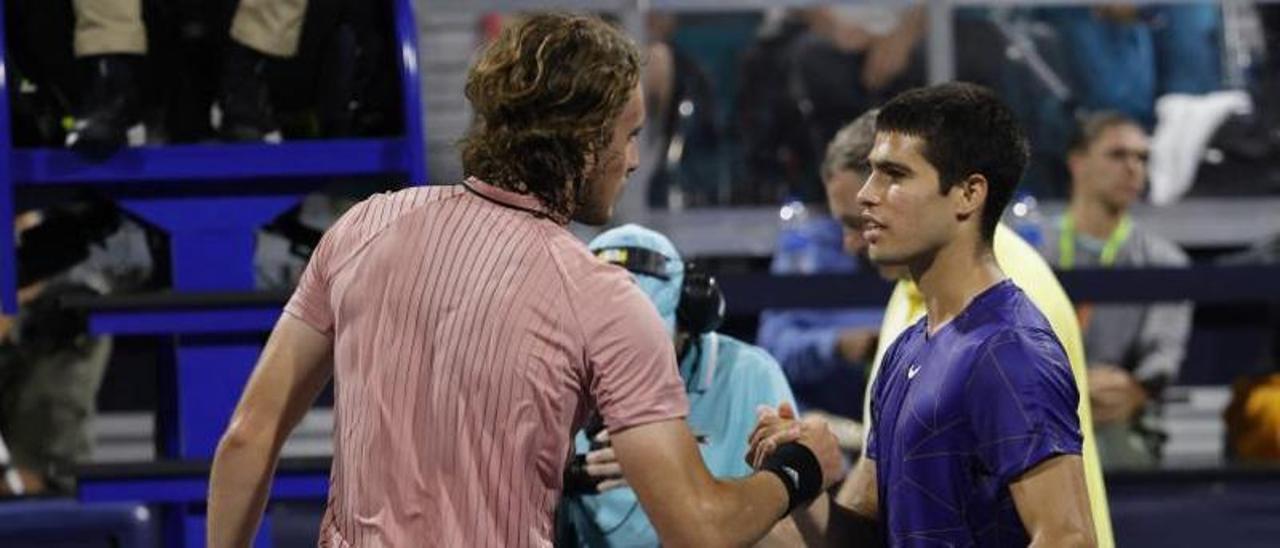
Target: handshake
column 803, row 453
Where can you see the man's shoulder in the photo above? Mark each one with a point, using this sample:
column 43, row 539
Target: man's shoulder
column 603, row 296
column 585, row 274
column 1011, row 308
column 1159, row 250
column 378, row 211
column 1016, row 320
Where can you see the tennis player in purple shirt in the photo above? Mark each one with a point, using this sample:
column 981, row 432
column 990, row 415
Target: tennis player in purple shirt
column 974, row 439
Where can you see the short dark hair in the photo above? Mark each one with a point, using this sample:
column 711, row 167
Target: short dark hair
column 851, row 146
column 1094, row 125
column 546, row 94
column 966, row 131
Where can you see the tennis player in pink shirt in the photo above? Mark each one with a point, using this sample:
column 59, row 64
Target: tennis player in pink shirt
column 468, row 333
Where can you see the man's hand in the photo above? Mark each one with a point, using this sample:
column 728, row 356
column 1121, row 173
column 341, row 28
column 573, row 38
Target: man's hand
column 848, row 431
column 26, row 294
column 847, row 36
column 886, row 59
column 1115, row 394
column 776, row 427
column 890, row 54
column 857, row 345
column 603, row 465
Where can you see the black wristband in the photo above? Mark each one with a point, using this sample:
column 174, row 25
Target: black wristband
column 799, row 471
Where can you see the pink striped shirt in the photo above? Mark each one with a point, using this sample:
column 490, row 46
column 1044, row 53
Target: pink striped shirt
column 470, row 339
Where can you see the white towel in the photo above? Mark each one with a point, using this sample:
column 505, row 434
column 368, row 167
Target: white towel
column 1185, row 123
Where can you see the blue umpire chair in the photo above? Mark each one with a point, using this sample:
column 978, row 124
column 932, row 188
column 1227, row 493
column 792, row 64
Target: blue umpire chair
column 209, row 199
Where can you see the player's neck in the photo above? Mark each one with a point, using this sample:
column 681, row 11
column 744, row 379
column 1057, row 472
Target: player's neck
column 1095, row 218
column 952, row 278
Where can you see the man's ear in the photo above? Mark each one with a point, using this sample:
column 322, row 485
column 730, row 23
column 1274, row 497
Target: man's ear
column 970, row 195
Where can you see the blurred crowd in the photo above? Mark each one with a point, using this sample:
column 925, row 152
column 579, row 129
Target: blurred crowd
column 746, row 102
column 745, row 109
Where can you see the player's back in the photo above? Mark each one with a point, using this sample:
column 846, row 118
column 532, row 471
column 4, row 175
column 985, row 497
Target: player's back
column 459, row 366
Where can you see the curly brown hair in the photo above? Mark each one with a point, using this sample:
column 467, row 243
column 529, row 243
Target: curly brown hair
column 546, row 94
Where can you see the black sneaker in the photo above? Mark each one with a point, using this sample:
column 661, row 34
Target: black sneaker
column 245, row 98
column 112, row 106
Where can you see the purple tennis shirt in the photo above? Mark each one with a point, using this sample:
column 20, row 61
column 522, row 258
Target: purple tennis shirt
column 960, row 414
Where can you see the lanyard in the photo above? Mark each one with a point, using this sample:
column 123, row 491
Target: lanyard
column 1067, row 242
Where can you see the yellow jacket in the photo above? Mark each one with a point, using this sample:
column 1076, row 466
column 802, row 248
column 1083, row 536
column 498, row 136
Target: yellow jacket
column 1029, row 271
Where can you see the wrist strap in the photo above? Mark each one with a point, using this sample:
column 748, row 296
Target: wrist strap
column 799, row 471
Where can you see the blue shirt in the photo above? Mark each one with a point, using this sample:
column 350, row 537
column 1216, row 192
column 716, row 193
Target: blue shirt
column 804, row 340
column 1127, row 66
column 960, row 414
column 726, row 379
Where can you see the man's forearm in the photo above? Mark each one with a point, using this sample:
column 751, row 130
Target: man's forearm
column 739, row 512
column 827, row 523
column 238, row 487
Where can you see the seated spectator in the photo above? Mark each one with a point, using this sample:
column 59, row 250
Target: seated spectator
column 1133, row 351
column 726, row 381
column 813, row 71
column 109, row 35
column 825, row 352
column 682, row 138
column 50, row 366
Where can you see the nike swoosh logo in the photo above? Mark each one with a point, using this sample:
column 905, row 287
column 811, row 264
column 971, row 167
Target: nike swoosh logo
column 795, row 476
column 911, row 373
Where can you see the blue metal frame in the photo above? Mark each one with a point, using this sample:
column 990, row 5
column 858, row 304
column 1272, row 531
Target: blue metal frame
column 411, row 90
column 182, row 165
column 184, row 322
column 185, row 490
column 189, row 164
column 8, row 255
column 754, row 293
column 210, row 199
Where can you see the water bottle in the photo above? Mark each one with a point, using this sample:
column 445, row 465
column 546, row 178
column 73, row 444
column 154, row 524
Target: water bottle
column 1025, row 219
column 795, row 254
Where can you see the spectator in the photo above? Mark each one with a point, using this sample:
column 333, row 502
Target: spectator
column 1122, row 58
column 726, row 380
column 1133, row 351
column 825, row 352
column 50, row 366
column 810, row 73
column 109, row 34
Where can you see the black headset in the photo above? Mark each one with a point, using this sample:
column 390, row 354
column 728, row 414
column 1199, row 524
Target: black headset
column 701, row 307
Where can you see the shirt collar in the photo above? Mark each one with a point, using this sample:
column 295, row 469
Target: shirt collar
column 507, row 198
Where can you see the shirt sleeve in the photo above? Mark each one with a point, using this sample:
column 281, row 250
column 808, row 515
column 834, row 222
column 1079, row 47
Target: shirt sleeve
column 1021, row 400
column 635, row 379
column 310, row 301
